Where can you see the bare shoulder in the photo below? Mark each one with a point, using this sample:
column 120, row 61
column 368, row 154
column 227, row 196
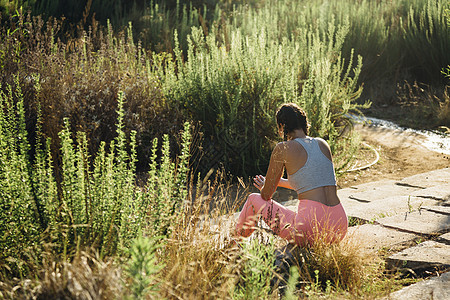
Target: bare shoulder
column 280, row 148
column 324, row 147
column 288, row 146
column 322, row 142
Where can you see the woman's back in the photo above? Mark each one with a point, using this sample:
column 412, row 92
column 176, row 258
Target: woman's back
column 310, row 170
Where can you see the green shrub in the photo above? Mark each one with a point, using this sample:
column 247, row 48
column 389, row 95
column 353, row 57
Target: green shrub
column 21, row 220
column 94, row 205
column 142, row 268
column 234, row 89
column 80, row 80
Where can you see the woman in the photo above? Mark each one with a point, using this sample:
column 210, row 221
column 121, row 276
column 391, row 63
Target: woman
column 308, row 163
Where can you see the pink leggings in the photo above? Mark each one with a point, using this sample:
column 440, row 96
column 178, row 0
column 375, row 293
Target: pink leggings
column 312, row 221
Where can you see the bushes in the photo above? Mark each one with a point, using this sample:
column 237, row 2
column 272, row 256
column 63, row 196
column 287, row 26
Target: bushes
column 226, row 75
column 235, row 87
column 81, row 79
column 94, row 204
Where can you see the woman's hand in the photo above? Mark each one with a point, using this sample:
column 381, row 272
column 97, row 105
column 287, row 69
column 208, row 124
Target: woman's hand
column 259, row 181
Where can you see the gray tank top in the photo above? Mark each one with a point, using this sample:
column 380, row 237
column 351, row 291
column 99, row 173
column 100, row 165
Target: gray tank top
column 318, row 170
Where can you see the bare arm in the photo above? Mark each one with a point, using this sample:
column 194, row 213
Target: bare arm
column 259, row 182
column 274, row 173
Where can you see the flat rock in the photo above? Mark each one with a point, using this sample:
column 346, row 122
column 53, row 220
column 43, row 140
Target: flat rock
column 438, row 192
column 445, row 238
column 418, row 222
column 387, row 207
column 445, row 210
column 372, row 238
column 364, row 187
column 436, row 288
column 376, row 191
column 439, row 177
column 424, row 255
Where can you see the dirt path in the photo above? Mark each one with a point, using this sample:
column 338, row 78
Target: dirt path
column 401, row 155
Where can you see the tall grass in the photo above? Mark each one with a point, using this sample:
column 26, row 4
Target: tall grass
column 378, row 29
column 227, row 75
column 80, row 78
column 219, row 82
column 94, row 204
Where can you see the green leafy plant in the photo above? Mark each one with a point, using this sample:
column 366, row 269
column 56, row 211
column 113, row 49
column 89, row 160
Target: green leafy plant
column 92, row 204
column 257, row 270
column 143, row 267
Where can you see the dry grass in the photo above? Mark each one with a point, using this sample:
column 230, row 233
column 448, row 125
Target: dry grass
column 341, row 265
column 86, row 277
column 200, row 264
column 199, row 269
column 429, row 107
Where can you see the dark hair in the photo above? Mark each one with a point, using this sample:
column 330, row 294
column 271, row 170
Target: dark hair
column 292, row 117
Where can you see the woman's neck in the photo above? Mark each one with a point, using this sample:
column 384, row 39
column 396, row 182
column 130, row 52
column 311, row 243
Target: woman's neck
column 296, row 134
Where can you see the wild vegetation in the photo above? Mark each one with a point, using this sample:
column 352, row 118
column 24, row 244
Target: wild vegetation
column 117, row 143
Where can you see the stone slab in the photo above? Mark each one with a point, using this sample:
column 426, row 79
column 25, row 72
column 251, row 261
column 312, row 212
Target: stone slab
column 424, row 255
column 372, row 237
column 436, row 288
column 445, row 210
column 445, row 238
column 439, row 177
column 385, row 208
column 438, row 192
column 418, row 222
column 363, row 187
column 376, row 191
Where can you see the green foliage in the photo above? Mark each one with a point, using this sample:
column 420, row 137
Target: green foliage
column 11, row 6
column 80, row 76
column 257, row 270
column 142, row 268
column 425, row 34
column 166, row 188
column 233, row 93
column 19, row 216
column 234, row 88
column 446, row 70
column 292, row 284
column 223, row 72
column 95, row 205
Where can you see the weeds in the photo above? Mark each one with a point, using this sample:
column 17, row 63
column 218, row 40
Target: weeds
column 257, row 270
column 142, row 268
column 92, row 204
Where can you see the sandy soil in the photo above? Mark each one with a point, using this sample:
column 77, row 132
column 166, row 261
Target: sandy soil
column 401, row 155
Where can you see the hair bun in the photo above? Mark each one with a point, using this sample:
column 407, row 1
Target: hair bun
column 292, row 117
